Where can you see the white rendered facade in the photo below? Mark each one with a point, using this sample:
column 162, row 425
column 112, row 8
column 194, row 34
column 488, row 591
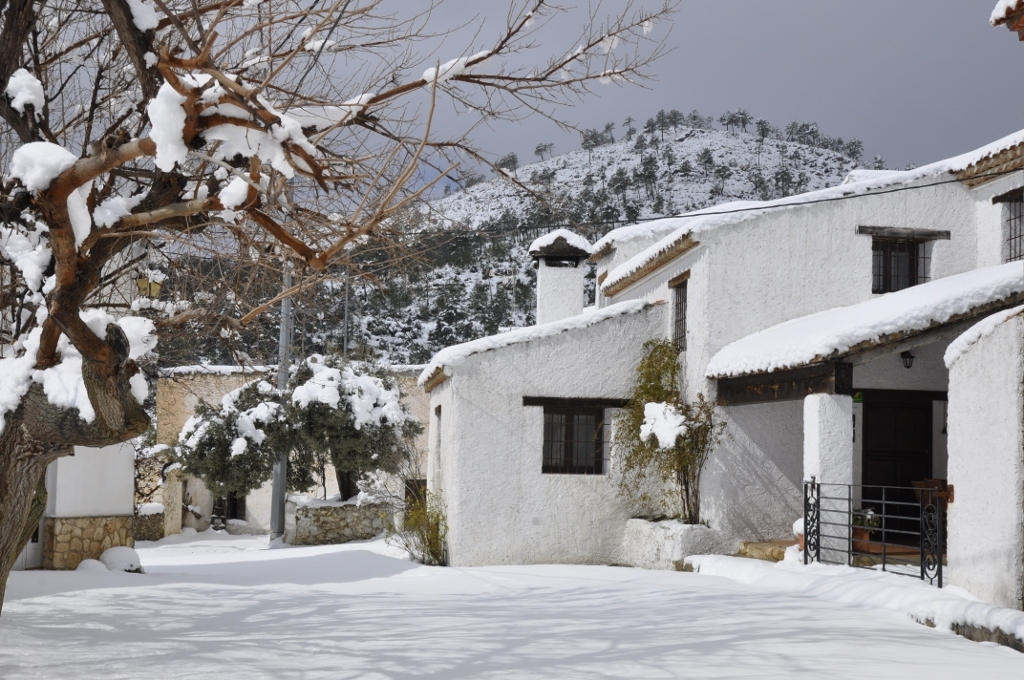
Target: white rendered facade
column 745, row 271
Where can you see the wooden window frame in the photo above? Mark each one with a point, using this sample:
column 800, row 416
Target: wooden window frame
column 563, row 441
column 679, row 288
column 885, row 277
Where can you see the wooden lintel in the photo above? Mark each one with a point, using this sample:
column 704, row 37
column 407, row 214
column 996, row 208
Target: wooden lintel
column 904, row 233
column 679, row 280
column 562, row 402
column 832, row 377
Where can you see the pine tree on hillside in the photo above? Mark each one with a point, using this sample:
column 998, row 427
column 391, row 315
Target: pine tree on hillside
column 743, row 119
column 630, row 130
column 619, row 184
column 706, row 161
column 509, row 161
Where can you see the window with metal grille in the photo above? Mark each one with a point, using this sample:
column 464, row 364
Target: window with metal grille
column 1014, row 229
column 679, row 316
column 573, row 440
column 897, row 264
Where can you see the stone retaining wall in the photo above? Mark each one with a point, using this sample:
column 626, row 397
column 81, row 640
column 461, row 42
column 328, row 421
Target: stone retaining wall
column 69, row 540
column 322, row 524
column 149, row 527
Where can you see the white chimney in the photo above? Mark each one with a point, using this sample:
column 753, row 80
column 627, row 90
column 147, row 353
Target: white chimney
column 560, row 258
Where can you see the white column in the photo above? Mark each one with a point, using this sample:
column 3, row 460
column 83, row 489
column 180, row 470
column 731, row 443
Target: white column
column 828, row 457
column 828, row 438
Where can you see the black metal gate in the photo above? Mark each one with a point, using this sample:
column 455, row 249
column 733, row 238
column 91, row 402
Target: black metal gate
column 898, row 529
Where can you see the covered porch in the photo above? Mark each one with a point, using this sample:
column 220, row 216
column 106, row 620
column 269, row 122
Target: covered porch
column 875, row 388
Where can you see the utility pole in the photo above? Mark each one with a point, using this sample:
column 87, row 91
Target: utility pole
column 284, row 357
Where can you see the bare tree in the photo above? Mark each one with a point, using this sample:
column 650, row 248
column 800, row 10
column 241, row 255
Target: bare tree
column 274, row 132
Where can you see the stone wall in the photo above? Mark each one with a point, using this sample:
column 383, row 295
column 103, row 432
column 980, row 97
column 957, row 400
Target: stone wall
column 326, row 523
column 149, row 527
column 69, row 540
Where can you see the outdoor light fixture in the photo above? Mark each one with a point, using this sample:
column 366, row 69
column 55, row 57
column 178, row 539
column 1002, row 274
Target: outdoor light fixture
column 908, row 359
column 148, row 288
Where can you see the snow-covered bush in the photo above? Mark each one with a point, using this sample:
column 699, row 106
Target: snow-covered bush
column 122, row 558
column 349, row 415
column 334, row 412
column 659, row 434
column 232, row 448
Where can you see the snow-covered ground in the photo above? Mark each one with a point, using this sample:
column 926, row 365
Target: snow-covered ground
column 213, row 604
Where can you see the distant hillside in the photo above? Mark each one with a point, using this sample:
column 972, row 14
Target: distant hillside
column 467, row 274
column 643, row 177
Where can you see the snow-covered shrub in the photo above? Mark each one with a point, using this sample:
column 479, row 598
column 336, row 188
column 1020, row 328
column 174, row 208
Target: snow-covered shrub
column 122, row 558
column 333, row 412
column 659, row 434
column 91, row 565
column 232, row 448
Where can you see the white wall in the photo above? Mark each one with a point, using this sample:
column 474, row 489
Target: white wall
column 986, row 467
column 92, row 483
column 487, row 461
column 779, row 266
column 751, row 488
column 559, row 291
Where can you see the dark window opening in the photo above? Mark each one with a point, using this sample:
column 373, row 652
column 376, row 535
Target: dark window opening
column 231, row 507
column 897, row 264
column 573, row 440
column 1014, row 212
column 562, row 262
column 679, row 316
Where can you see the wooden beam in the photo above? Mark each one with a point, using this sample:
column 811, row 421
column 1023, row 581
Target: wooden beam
column 679, row 280
column 902, row 233
column 435, row 379
column 562, row 402
column 832, row 377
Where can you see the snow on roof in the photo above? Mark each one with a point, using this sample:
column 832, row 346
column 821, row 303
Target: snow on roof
column 650, row 229
column 549, row 243
column 450, row 357
column 693, row 223
column 863, row 174
column 824, row 335
column 1003, row 10
column 978, row 331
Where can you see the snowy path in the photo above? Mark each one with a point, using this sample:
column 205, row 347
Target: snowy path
column 225, row 606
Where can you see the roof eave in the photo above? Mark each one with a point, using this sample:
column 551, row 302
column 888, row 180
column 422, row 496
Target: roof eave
column 869, row 350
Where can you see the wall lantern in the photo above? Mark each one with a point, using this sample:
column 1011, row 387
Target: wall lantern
column 148, row 288
column 908, row 359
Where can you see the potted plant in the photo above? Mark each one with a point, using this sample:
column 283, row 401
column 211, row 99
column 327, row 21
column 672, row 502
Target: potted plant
column 865, row 522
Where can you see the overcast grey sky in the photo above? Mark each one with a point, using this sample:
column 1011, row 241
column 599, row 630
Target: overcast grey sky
column 915, row 80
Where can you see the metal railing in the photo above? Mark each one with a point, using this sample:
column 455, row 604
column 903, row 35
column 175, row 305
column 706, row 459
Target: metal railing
column 898, row 529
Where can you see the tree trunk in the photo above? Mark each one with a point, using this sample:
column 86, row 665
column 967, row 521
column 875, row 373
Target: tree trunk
column 35, row 510
column 23, row 462
column 37, row 433
column 347, row 486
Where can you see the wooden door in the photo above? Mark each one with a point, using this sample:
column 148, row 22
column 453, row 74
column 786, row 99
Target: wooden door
column 897, row 451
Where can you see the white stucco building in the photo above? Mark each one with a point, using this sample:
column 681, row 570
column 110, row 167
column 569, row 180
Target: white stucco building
column 90, row 507
column 818, row 322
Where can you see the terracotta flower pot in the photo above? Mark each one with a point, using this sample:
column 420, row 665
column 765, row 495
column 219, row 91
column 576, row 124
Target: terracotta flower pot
column 861, row 536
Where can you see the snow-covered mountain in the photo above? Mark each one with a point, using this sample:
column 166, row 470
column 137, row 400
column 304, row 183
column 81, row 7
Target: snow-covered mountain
column 472, row 274
column 646, row 176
